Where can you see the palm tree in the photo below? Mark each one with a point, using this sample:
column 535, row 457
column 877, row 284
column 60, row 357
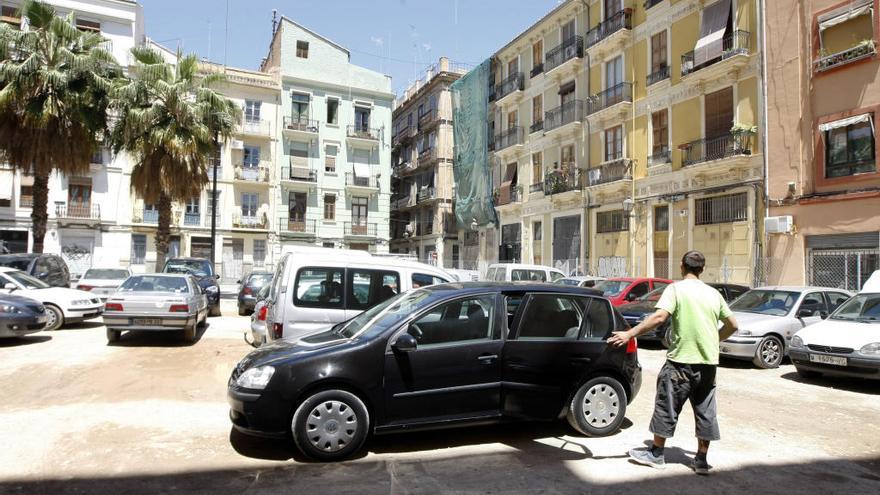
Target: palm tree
column 168, row 120
column 54, row 84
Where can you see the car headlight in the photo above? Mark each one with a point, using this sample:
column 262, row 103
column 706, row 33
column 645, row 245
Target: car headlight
column 256, row 378
column 872, row 349
column 81, row 302
column 742, row 333
column 797, row 342
column 9, row 309
column 212, row 289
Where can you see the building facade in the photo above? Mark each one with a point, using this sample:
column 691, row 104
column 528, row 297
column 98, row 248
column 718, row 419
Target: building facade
column 627, row 133
column 823, row 99
column 422, row 222
column 333, row 146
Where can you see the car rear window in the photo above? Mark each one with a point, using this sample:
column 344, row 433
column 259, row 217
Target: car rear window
column 552, row 317
column 105, row 273
column 17, row 263
column 368, row 288
column 259, row 279
column 150, row 283
column 199, row 268
column 317, row 287
column 521, row 274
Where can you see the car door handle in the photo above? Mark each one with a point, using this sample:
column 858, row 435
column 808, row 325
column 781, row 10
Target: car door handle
column 487, row 358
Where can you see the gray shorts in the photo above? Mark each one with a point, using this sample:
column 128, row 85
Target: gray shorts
column 678, row 383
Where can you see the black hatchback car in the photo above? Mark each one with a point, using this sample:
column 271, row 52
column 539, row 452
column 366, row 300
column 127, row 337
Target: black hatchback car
column 441, row 356
column 203, row 271
column 49, row 268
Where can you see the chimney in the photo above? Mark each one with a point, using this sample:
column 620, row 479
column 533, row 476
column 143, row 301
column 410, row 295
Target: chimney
column 444, row 64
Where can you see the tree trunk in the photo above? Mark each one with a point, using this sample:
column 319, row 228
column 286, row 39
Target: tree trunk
column 40, row 210
column 163, row 232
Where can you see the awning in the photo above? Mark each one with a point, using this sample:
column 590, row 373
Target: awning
column 837, row 124
column 841, row 15
column 504, row 193
column 712, row 26
column 566, row 88
column 6, row 181
column 362, row 170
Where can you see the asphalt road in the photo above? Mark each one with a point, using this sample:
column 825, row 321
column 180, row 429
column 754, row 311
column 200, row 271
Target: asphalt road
column 149, row 416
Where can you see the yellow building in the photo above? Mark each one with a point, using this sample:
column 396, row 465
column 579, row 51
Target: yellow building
column 626, row 133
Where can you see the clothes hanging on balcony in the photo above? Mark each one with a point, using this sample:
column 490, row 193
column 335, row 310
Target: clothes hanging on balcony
column 843, row 14
column 712, row 27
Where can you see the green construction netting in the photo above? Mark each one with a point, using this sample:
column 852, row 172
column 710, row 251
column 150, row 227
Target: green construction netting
column 473, row 179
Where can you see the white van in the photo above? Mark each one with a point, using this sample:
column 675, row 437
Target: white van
column 315, row 288
column 516, row 272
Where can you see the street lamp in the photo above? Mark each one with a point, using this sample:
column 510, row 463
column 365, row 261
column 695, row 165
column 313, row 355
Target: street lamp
column 214, row 198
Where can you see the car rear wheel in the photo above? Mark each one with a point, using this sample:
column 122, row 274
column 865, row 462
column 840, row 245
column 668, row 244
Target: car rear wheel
column 769, row 353
column 598, row 407
column 330, row 425
column 113, row 335
column 214, row 310
column 190, row 332
column 56, row 317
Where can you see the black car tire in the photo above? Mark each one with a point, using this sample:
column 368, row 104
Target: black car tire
column 214, row 310
column 770, row 352
column 58, row 315
column 340, row 405
column 190, row 333
column 610, row 403
column 113, row 336
column 242, row 311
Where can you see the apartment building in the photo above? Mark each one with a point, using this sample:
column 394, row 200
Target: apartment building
column 627, row 133
column 334, row 144
column 422, row 222
column 823, row 175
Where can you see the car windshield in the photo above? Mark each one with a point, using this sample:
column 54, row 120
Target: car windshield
column 612, row 287
column 654, row 295
column 106, row 273
column 766, row 302
column 152, row 283
column 259, row 279
column 384, row 315
column 26, row 280
column 861, row 307
column 199, row 268
column 569, row 281
column 18, row 263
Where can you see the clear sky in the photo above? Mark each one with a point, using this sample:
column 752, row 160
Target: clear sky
column 396, row 37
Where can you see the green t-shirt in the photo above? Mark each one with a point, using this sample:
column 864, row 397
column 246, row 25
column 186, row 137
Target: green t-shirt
column 696, row 309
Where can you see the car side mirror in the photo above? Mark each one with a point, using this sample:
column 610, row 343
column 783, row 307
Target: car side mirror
column 807, row 313
column 10, row 286
column 631, row 297
column 405, row 343
column 822, row 314
column 216, row 277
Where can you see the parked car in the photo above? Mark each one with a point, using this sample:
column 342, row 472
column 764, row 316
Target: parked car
column 156, row 302
column 258, row 332
column 581, row 281
column 518, row 272
column 464, row 275
column 247, row 292
column 622, row 290
column 63, row 305
column 637, row 311
column 20, row 316
column 102, row 281
column 436, row 357
column 205, row 275
column 845, row 344
column 49, row 268
column 315, row 289
column 768, row 317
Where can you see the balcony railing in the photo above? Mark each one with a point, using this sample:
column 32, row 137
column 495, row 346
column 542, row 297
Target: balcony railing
column 403, row 202
column 536, row 69
column 426, row 193
column 659, row 75
column 650, row 3
column 425, row 228
column 361, row 228
column 620, row 93
column 255, row 127
column 26, row 201
column 735, row 44
column 536, row 126
column 569, row 49
column 257, row 221
column 513, row 197
column 92, row 212
column 296, row 226
column 300, row 124
column 426, row 155
column 611, row 171
column 252, row 173
column 535, row 188
column 508, row 138
column 620, row 20
column 858, row 52
column 358, row 181
column 299, row 174
column 145, row 215
column 514, row 82
column 361, row 132
column 567, row 113
column 660, row 157
column 404, row 134
column 559, row 182
column 708, row 149
column 428, row 117
column 192, row 219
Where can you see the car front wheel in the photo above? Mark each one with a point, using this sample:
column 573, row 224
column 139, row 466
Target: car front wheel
column 598, row 407
column 56, row 317
column 769, row 353
column 113, row 335
column 330, row 425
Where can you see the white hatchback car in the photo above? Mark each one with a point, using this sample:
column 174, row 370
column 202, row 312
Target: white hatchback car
column 62, row 305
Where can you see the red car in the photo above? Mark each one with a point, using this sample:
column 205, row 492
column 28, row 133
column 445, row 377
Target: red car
column 627, row 289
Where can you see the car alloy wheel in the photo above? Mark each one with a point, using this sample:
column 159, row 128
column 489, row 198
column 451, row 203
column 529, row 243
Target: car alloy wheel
column 330, row 425
column 598, row 407
column 56, row 317
column 769, row 353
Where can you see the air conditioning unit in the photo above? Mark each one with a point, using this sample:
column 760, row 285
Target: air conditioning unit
column 237, row 145
column 779, row 225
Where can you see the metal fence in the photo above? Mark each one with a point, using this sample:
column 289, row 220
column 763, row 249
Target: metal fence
column 845, row 269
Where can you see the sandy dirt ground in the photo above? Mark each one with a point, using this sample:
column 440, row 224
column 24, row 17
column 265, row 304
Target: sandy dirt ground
column 149, row 416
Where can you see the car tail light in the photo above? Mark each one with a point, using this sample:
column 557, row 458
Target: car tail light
column 632, row 346
column 278, row 330
column 112, row 307
column 247, row 291
column 264, row 311
column 84, row 287
column 179, row 308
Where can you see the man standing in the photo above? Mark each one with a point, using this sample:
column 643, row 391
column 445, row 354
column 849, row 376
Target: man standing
column 689, row 372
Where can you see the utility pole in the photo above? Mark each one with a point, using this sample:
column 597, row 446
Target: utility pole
column 214, row 201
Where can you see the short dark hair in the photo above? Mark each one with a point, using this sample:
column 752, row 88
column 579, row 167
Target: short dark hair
column 693, row 262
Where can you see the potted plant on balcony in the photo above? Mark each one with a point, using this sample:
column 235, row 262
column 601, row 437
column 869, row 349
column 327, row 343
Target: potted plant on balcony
column 742, row 135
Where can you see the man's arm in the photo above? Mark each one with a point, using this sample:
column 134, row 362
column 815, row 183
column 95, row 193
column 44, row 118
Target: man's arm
column 730, row 326
column 657, row 318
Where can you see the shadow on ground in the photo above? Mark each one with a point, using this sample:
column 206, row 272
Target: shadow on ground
column 859, row 385
column 169, row 338
column 25, row 340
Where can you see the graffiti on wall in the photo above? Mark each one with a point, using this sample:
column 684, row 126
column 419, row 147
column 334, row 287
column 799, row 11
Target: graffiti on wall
column 612, row 266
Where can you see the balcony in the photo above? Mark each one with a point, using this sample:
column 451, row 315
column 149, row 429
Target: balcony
column 359, row 135
column 192, row 220
column 76, row 214
column 536, row 188
column 861, row 51
column 565, row 118
column 425, row 228
column 296, row 227
column 301, row 127
column 404, row 168
column 562, row 181
column 425, row 194
column 536, row 69
column 610, row 104
column 558, row 58
column 360, row 229
column 661, row 74
column 612, row 171
column 511, row 137
column 145, row 215
column 251, row 222
column 428, row 157
column 249, row 173
column 362, row 183
column 536, row 126
column 255, row 128
column 660, row 162
column 402, row 203
column 513, row 198
column 429, row 119
column 713, row 149
column 299, row 177
column 404, row 135
column 650, row 3
column 511, row 87
column 610, row 34
column 697, row 68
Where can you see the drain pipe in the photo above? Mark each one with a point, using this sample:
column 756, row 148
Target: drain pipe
column 761, row 247
column 588, row 246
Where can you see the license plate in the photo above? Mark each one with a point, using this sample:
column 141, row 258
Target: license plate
column 836, row 361
column 152, row 322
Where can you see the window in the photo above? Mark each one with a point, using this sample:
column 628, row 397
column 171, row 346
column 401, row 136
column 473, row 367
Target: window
column 79, row 197
column 722, row 209
column 367, row 288
column 210, row 206
column 537, row 55
column 362, row 118
column 85, row 25
column 519, row 275
column 332, row 111
column 813, row 302
column 299, row 110
column 537, row 111
column 251, row 157
column 215, row 160
column 661, row 219
column 250, row 203
column 98, row 157
column 330, row 152
column 612, row 221
column 463, row 320
column 192, row 206
column 9, row 15
column 614, row 143
column 719, row 113
column 512, row 117
column 638, row 291
column 26, row 196
column 660, row 132
column 259, row 252
column 359, row 209
column 537, row 169
column 537, row 231
column 138, row 249
column 302, row 49
column 600, row 323
column 252, row 110
column 568, row 158
column 842, row 32
column 330, row 245
column 552, row 317
column 835, row 299
column 613, row 72
column 568, row 30
column 513, row 67
column 423, row 280
column 456, row 256
column 849, row 150
column 318, row 288
column 612, row 7
column 658, row 52
column 297, row 206
column 329, row 207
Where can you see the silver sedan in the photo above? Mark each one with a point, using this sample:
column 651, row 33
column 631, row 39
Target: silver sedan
column 156, row 302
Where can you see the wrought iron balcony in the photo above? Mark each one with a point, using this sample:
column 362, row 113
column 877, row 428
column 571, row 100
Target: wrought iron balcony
column 536, row 69
column 660, row 157
column 620, row 20
column 717, row 148
column 352, row 180
column 536, row 126
column 514, row 82
column 610, row 97
column 536, row 188
column 404, row 135
column 300, row 124
column 428, row 118
column 362, row 132
column 296, row 226
column 78, row 212
column 659, row 75
column 861, row 51
column 252, row 173
column 255, row 127
column 513, row 197
column 735, row 44
column 560, row 181
column 512, row 136
column 611, row 171
column 192, row 219
column 361, row 228
column 259, row 222
column 145, row 215
column 567, row 50
column 426, row 193
column 567, row 113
